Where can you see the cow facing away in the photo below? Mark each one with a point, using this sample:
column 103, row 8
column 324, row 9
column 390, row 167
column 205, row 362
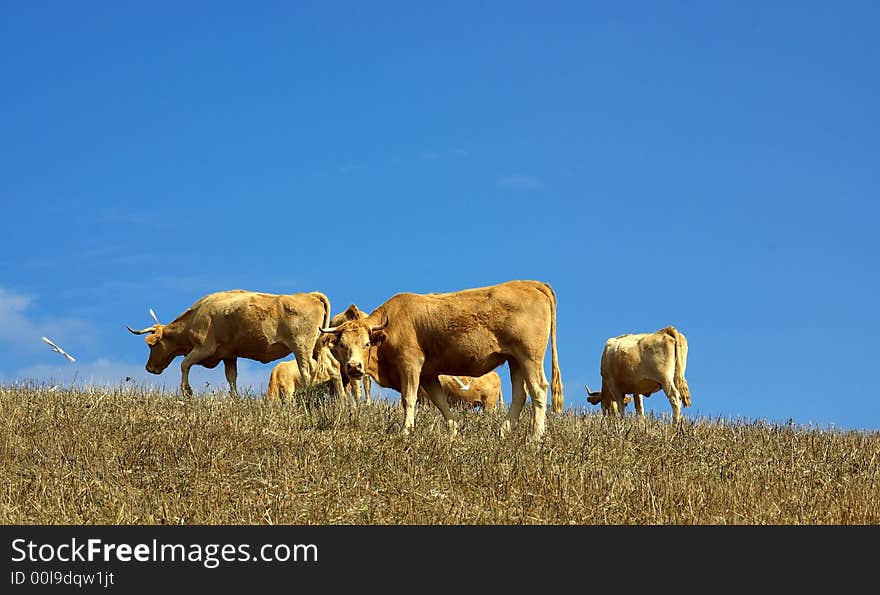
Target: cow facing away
column 226, row 325
column 411, row 339
column 642, row 364
column 483, row 392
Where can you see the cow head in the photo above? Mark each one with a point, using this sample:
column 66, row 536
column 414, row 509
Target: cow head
column 595, row 397
column 353, row 313
column 350, row 344
column 161, row 351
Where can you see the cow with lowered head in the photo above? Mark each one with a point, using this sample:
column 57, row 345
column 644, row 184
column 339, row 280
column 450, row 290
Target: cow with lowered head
column 642, row 364
column 226, row 325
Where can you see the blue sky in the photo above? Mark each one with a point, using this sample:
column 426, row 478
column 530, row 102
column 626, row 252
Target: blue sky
column 708, row 165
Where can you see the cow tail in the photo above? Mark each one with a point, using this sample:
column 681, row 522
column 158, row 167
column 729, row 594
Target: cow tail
column 326, row 302
column 681, row 348
column 556, row 377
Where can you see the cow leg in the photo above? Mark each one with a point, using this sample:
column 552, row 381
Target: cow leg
column 517, row 400
column 438, row 396
column 620, row 400
column 674, row 399
column 537, row 385
column 305, row 369
column 336, row 381
column 409, row 389
column 638, row 404
column 303, row 357
column 367, row 383
column 192, row 358
column 230, row 366
column 356, row 389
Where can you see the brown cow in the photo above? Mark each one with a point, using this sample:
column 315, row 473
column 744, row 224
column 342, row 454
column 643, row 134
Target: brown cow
column 226, row 325
column 353, row 313
column 642, row 364
column 417, row 337
column 465, row 391
column 285, row 377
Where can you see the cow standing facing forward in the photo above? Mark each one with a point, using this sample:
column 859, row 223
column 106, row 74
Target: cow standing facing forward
column 353, row 313
column 226, row 325
column 642, row 364
column 409, row 340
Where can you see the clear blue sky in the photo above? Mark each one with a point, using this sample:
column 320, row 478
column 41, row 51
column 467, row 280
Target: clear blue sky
column 713, row 166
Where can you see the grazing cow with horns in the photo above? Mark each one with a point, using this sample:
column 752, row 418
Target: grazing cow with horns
column 642, row 364
column 226, row 325
column 408, row 341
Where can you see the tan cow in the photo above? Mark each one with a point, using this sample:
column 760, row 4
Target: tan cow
column 226, row 325
column 417, row 337
column 353, row 313
column 642, row 364
column 483, row 392
column 286, row 378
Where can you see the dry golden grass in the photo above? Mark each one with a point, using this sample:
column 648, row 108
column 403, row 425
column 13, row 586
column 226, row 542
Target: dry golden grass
column 131, row 456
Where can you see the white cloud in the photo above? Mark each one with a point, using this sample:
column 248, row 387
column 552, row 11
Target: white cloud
column 520, row 182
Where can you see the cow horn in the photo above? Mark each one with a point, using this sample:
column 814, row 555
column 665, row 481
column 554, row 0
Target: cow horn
column 591, row 393
column 373, row 329
column 329, row 329
column 153, row 314
column 149, row 329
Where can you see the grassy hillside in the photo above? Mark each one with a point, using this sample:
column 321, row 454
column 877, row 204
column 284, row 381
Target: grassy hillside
column 129, row 456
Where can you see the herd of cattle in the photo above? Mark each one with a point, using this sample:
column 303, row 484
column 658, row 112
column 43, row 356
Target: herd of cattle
column 437, row 347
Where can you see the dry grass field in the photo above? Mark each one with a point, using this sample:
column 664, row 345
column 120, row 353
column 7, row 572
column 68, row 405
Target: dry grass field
column 131, row 456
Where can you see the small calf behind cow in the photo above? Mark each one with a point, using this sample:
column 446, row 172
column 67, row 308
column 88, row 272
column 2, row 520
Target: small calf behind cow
column 483, row 392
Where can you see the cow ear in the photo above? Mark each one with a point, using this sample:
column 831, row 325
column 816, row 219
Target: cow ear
column 377, row 338
column 152, row 339
column 327, row 340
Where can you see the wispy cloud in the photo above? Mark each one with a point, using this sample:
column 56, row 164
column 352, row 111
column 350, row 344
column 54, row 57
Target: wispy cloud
column 21, row 332
column 520, row 182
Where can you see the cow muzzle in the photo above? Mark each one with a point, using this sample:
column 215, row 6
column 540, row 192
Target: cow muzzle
column 354, row 369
